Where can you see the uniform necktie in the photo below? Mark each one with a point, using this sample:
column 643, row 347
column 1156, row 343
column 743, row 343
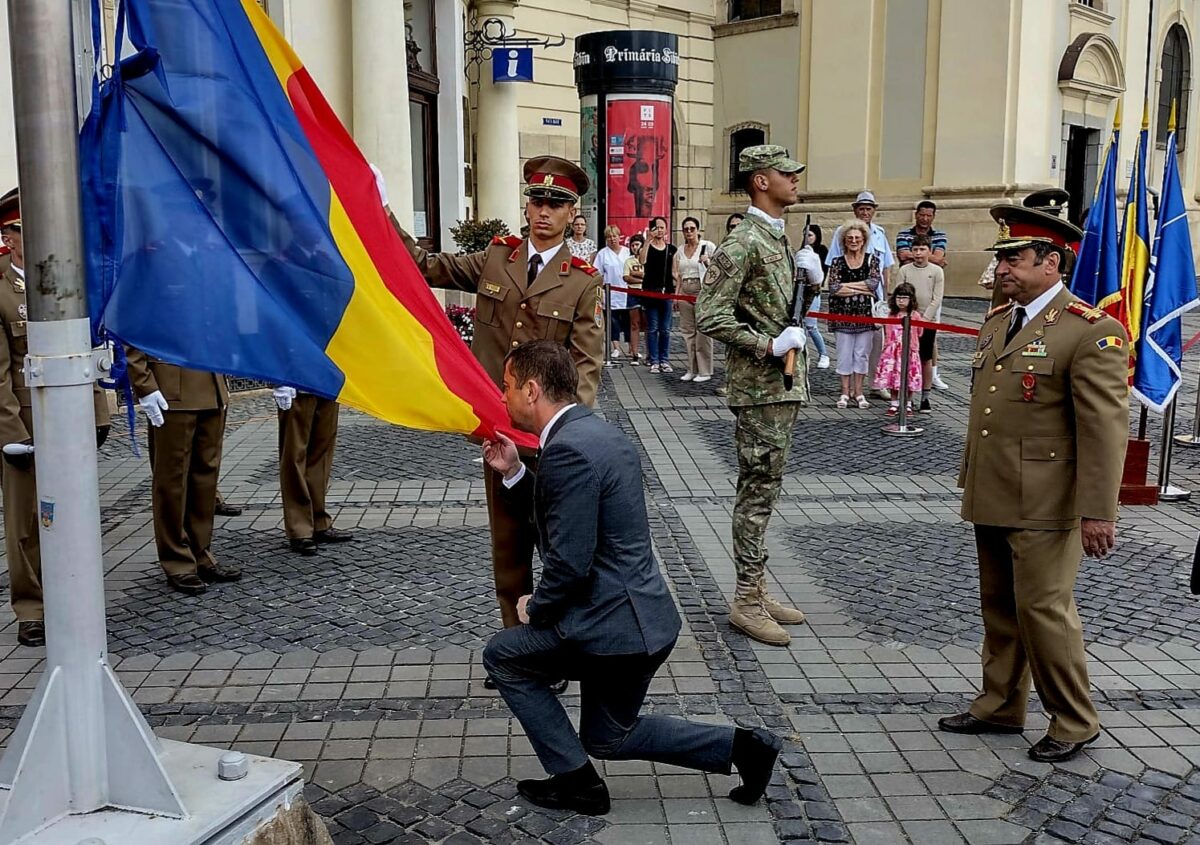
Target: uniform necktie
column 1017, row 323
column 535, row 264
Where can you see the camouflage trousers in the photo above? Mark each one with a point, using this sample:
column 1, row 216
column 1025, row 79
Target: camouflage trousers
column 764, row 435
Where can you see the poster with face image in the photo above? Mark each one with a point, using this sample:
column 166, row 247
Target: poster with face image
column 638, row 156
column 589, row 155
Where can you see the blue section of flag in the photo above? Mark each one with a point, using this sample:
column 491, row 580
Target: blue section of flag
column 1170, row 293
column 1097, row 272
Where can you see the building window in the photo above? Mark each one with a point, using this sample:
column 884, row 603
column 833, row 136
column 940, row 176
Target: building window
column 739, row 139
column 1176, row 84
column 745, row 10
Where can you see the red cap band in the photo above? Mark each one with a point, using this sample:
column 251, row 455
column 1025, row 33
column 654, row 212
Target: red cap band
column 553, row 180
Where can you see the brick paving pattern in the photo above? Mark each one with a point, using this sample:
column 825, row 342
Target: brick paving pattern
column 363, row 663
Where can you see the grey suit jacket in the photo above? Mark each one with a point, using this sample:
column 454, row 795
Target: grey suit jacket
column 601, row 587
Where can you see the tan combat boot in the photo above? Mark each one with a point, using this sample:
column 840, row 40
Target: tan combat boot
column 781, row 613
column 748, row 615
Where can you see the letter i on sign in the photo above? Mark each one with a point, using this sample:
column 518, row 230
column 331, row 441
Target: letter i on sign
column 512, row 63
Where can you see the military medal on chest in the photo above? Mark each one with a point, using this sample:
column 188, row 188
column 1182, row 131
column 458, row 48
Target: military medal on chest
column 1028, row 383
column 22, row 311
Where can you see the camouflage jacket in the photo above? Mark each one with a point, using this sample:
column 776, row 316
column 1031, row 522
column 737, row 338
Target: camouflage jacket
column 744, row 302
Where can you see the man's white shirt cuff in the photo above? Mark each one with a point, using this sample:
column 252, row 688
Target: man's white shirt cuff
column 510, row 483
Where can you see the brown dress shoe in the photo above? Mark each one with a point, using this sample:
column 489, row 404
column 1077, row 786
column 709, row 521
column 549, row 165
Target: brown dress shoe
column 219, row 573
column 965, row 723
column 189, row 584
column 1050, row 750
column 226, row 509
column 31, row 633
column 333, row 535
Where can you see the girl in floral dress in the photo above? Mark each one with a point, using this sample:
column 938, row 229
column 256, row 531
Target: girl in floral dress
column 891, row 364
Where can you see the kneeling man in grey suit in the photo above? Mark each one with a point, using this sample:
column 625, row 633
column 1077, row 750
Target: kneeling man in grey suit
column 601, row 613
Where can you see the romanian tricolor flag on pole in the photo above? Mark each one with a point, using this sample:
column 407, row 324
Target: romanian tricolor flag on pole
column 1135, row 248
column 234, row 226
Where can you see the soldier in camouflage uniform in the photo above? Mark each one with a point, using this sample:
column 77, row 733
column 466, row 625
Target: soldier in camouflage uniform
column 745, row 302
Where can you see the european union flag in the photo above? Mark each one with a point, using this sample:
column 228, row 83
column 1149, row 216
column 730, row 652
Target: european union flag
column 1097, row 274
column 1170, row 293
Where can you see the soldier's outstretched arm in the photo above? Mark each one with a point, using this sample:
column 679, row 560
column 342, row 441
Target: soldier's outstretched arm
column 1100, row 393
column 442, row 270
column 716, row 306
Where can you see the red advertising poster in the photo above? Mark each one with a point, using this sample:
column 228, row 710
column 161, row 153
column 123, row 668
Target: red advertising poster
column 639, row 162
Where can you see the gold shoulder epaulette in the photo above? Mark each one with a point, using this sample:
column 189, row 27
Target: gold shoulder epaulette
column 1081, row 309
column 999, row 309
column 580, row 264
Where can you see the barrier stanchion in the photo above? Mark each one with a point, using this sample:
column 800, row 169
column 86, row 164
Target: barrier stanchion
column 608, row 359
column 1167, row 492
column 1192, row 439
column 901, row 428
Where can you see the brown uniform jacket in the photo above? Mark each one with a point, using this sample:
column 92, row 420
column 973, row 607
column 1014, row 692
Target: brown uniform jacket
column 184, row 389
column 562, row 305
column 16, row 416
column 1049, row 419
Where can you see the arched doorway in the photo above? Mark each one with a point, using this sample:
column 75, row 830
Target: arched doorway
column 1091, row 77
column 1176, row 85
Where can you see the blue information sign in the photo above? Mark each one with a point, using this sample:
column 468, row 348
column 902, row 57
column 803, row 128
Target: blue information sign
column 512, row 64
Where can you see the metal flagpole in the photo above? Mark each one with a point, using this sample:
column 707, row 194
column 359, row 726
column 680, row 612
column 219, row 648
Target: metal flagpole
column 901, row 428
column 82, row 762
column 1166, row 491
column 608, row 361
column 1192, row 439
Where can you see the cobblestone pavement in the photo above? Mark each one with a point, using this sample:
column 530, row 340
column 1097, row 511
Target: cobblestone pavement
column 363, row 663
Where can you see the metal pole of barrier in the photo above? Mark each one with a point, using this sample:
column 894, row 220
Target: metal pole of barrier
column 1192, row 439
column 902, row 428
column 608, row 338
column 1166, row 491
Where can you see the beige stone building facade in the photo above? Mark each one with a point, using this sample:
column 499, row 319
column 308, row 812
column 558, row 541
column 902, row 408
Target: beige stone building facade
column 412, row 81
column 965, row 102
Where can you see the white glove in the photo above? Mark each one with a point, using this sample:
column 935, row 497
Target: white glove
column 154, row 405
column 18, row 449
column 810, row 263
column 380, row 185
column 284, row 396
column 793, row 337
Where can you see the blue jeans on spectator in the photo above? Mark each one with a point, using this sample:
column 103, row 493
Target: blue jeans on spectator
column 814, row 333
column 657, row 315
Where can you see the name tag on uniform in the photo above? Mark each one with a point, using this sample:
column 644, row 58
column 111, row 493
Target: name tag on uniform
column 1037, row 349
column 491, row 288
column 772, row 259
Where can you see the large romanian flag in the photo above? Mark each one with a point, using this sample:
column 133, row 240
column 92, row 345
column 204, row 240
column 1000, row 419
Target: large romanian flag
column 234, row 226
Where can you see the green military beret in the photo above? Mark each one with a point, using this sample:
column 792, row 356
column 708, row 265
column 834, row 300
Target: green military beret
column 767, row 157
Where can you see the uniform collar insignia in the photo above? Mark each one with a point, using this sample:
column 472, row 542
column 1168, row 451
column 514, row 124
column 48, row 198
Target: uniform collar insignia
column 987, row 342
column 1052, row 315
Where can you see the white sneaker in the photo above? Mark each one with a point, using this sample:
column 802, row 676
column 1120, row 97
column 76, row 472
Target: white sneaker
column 938, row 383
column 699, row 379
column 823, row 362
column 666, row 368
column 654, row 368
column 616, row 353
column 687, row 376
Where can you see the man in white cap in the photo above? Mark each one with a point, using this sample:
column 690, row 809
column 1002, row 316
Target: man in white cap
column 864, row 207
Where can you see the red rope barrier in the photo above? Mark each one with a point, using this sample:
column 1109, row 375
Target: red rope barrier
column 683, row 297
column 1191, row 342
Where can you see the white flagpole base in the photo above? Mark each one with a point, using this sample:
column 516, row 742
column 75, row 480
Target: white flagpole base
column 1187, row 440
column 219, row 812
column 1171, row 493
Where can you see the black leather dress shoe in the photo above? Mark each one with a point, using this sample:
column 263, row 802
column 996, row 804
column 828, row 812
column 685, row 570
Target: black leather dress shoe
column 1049, row 750
column 754, row 755
column 189, row 584
column 333, row 535
column 965, row 723
column 488, row 683
column 226, row 509
column 559, row 687
column 31, row 633
column 561, row 792
column 303, row 545
column 219, row 574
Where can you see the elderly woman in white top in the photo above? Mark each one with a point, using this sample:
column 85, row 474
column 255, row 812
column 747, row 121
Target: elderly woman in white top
column 691, row 262
column 610, row 261
column 580, row 245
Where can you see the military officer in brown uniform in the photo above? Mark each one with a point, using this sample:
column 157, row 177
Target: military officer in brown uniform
column 1040, row 475
column 307, row 436
column 21, row 541
column 527, row 290
column 186, row 411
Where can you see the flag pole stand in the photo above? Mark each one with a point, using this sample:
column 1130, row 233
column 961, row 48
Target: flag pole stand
column 608, row 338
column 901, row 428
column 1167, row 492
column 1193, row 438
column 82, row 764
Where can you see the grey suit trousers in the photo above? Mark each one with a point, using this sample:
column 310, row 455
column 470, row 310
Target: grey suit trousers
column 524, row 661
